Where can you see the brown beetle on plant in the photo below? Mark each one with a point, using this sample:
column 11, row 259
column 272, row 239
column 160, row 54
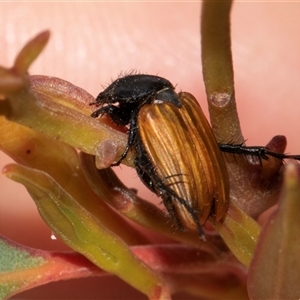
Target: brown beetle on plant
column 178, row 157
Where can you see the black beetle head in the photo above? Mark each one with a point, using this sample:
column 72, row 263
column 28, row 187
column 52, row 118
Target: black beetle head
column 139, row 89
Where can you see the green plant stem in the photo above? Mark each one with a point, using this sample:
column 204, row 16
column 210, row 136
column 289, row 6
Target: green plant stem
column 218, row 70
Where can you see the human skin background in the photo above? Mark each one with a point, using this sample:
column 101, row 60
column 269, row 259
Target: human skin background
column 92, row 43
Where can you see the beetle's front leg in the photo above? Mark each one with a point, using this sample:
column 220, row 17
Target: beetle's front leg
column 117, row 115
column 131, row 139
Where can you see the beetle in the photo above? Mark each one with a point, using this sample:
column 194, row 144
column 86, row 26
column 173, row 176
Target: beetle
column 185, row 165
column 178, row 157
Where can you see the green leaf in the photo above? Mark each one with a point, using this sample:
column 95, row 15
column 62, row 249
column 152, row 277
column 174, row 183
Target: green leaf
column 56, row 107
column 83, row 232
column 61, row 162
column 23, row 268
column 16, row 268
column 240, row 232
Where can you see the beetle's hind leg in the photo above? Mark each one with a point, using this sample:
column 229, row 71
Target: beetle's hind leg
column 168, row 197
column 255, row 151
column 147, row 173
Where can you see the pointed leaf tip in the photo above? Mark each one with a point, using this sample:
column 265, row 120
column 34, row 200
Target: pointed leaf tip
column 31, row 51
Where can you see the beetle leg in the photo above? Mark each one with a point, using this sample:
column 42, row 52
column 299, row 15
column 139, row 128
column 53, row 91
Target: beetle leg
column 169, row 196
column 147, row 173
column 101, row 111
column 165, row 179
column 143, row 175
column 131, row 137
column 169, row 205
column 119, row 116
column 255, row 151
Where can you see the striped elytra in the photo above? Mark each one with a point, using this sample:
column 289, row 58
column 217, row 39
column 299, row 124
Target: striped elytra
column 180, row 145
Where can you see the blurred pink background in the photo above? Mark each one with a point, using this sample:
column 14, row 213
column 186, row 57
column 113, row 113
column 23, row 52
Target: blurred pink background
column 92, row 43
